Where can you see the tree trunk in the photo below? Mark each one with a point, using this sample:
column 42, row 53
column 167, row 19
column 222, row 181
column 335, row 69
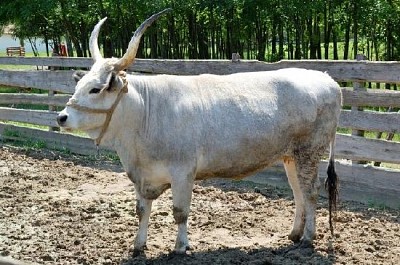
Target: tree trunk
column 261, row 38
column 203, row 43
column 355, row 28
column 317, row 36
column 274, row 40
column 328, row 26
column 290, row 44
column 347, row 40
column 298, row 34
column 281, row 41
column 335, row 45
column 192, row 36
column 311, row 39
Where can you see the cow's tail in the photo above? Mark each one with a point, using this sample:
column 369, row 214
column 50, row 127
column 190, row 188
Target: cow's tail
column 331, row 184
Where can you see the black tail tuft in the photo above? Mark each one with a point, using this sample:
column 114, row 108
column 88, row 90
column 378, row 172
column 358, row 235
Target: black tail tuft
column 331, row 187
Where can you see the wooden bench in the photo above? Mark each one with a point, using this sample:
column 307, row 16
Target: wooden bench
column 19, row 51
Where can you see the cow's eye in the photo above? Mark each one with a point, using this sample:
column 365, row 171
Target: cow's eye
column 94, row 90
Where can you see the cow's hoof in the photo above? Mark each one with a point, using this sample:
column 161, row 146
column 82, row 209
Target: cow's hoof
column 181, row 250
column 139, row 251
column 305, row 243
column 295, row 237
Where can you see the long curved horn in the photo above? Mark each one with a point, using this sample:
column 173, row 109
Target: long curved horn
column 133, row 46
column 93, row 45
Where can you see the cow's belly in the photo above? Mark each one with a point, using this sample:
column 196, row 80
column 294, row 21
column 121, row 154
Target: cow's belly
column 233, row 172
column 241, row 162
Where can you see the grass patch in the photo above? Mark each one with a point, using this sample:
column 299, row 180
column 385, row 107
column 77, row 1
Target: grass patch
column 11, row 89
column 27, row 125
column 13, row 67
column 370, row 135
column 19, row 140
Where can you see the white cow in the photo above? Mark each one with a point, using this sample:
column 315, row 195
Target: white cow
column 172, row 130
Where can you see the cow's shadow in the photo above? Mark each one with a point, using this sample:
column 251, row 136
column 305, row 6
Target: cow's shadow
column 291, row 254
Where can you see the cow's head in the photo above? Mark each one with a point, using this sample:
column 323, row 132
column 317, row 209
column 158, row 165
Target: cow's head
column 98, row 91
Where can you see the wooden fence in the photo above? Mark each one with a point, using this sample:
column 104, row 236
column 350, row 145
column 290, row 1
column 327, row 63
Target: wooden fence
column 360, row 113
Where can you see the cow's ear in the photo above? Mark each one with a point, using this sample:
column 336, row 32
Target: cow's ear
column 78, row 75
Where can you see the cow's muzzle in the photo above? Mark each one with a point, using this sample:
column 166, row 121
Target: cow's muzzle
column 61, row 119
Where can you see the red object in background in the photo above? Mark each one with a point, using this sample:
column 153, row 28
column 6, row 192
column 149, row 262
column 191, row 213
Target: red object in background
column 63, row 50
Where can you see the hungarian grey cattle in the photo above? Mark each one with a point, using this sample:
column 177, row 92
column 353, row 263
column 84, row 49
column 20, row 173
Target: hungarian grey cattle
column 172, row 130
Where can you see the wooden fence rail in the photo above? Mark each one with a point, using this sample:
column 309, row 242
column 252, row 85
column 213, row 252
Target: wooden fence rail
column 39, row 99
column 340, row 70
column 364, row 117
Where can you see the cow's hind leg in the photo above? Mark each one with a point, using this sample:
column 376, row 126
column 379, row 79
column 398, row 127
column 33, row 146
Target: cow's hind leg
column 298, row 225
column 307, row 170
column 143, row 209
column 181, row 186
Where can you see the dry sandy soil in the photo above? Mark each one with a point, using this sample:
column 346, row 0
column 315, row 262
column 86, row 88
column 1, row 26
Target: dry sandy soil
column 59, row 209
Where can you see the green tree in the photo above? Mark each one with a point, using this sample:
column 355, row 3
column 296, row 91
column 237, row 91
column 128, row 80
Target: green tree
column 202, row 29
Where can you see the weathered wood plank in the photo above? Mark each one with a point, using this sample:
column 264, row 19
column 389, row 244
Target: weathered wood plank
column 60, row 81
column 38, row 117
column 370, row 121
column 362, row 183
column 371, row 98
column 56, row 140
column 366, row 183
column 18, row 98
column 377, row 177
column 340, row 70
column 363, row 149
column 360, row 71
column 76, row 62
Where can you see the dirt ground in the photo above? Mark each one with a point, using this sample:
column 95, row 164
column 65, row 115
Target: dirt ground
column 63, row 209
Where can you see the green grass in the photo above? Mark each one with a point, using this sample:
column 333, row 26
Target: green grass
column 27, row 54
column 369, row 134
column 22, row 141
column 41, row 127
column 15, row 138
column 9, row 89
column 16, row 67
column 27, row 125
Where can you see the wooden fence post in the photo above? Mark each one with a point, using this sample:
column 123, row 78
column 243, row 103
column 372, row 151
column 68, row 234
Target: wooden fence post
column 52, row 93
column 52, row 108
column 235, row 57
column 359, row 86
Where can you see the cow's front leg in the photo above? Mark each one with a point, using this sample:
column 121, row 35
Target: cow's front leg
column 143, row 209
column 181, row 187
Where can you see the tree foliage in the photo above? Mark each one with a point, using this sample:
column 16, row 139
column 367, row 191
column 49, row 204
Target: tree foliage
column 204, row 29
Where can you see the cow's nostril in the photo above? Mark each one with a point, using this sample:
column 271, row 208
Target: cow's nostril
column 62, row 118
